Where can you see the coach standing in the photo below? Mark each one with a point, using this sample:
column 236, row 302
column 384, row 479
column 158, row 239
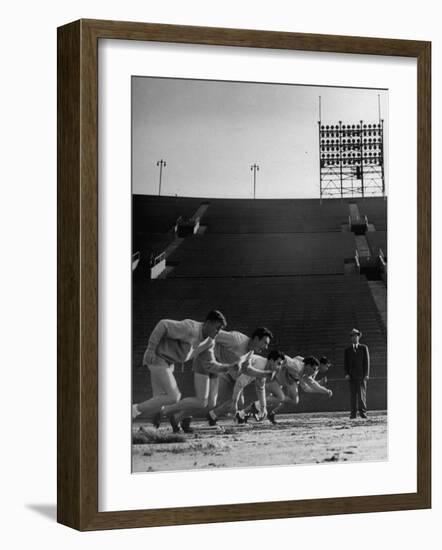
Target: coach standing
column 357, row 372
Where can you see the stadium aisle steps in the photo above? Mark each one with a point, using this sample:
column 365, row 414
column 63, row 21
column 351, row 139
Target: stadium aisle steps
column 377, row 240
column 379, row 292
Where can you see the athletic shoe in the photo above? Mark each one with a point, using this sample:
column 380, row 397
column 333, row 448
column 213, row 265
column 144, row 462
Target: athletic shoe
column 363, row 415
column 175, row 424
column 352, row 416
column 211, row 417
column 272, row 417
column 156, row 420
column 240, row 417
column 185, row 425
column 254, row 411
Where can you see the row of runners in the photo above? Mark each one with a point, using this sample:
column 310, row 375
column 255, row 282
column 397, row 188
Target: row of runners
column 223, row 363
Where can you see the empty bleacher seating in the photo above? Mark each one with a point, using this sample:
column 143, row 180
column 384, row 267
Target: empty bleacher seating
column 274, row 216
column 159, row 214
column 308, row 314
column 273, row 254
column 278, row 263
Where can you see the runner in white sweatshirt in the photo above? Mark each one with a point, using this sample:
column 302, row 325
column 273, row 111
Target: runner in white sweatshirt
column 206, row 371
column 295, row 372
column 230, row 347
column 174, row 342
column 262, row 370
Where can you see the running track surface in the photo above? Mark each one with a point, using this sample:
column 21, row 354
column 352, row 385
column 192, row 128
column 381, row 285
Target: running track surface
column 303, row 438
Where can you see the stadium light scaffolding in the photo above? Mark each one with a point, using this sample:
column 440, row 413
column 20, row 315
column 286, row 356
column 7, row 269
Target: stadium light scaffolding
column 351, row 159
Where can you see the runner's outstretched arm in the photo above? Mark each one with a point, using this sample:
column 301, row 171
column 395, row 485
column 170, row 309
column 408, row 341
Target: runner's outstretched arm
column 309, row 385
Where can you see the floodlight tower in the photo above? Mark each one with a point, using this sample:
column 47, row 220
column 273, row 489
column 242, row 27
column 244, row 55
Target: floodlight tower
column 351, row 159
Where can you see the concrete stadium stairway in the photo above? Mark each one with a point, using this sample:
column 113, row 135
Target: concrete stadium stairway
column 379, row 293
column 377, row 240
column 375, row 208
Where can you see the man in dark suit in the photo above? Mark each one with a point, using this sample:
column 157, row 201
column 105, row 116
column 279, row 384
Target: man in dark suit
column 357, row 372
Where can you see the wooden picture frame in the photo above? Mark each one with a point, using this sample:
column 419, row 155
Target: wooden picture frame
column 78, row 274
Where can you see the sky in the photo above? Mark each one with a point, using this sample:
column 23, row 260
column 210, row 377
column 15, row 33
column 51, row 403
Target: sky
column 210, row 133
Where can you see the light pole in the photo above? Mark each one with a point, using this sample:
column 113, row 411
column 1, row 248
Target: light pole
column 160, row 163
column 254, row 168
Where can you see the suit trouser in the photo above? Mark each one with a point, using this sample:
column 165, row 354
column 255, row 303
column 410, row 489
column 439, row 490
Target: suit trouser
column 358, row 396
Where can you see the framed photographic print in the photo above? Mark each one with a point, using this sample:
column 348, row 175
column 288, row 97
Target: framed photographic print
column 232, row 207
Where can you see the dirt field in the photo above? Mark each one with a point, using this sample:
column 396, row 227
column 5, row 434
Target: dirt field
column 297, row 439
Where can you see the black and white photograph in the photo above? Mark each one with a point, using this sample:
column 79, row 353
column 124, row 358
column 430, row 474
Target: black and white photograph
column 259, row 274
column 195, row 227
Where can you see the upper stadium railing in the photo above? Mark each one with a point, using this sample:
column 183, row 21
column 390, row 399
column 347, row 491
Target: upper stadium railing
column 154, row 260
column 357, row 262
column 383, row 265
column 382, row 258
column 135, row 260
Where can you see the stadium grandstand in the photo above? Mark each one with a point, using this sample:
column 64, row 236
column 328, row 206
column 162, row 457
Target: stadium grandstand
column 309, row 270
